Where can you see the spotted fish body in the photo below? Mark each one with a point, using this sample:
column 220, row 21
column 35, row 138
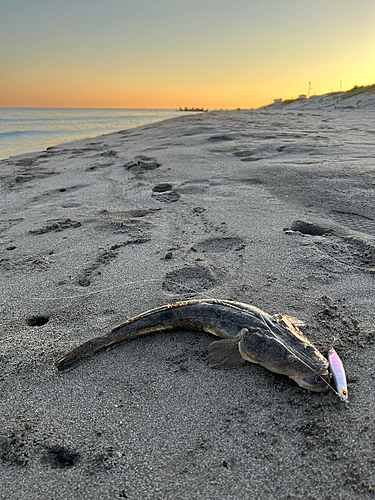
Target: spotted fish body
column 247, row 333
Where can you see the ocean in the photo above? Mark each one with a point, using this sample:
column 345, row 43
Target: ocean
column 24, row 130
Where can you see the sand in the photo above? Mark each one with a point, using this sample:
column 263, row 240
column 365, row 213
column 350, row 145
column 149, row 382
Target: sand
column 275, row 209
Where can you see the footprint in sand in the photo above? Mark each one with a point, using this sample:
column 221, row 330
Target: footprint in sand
column 140, row 164
column 193, row 278
column 220, row 244
column 165, row 193
column 59, row 457
column 58, row 225
column 24, row 263
column 344, row 248
column 309, row 228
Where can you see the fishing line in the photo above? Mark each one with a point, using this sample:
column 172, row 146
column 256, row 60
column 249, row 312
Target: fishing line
column 83, row 295
column 306, row 364
column 289, row 350
column 205, row 297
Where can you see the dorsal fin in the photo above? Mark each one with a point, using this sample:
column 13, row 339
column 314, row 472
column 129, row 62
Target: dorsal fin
column 291, row 319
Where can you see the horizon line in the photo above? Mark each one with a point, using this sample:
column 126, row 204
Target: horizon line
column 69, row 107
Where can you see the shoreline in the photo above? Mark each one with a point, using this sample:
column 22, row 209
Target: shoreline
column 272, row 209
column 28, row 130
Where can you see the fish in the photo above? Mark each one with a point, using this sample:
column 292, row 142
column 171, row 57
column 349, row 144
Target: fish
column 338, row 373
column 247, row 334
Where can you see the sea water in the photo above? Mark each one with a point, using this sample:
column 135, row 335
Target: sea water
column 24, row 130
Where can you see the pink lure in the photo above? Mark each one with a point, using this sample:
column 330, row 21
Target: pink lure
column 338, row 372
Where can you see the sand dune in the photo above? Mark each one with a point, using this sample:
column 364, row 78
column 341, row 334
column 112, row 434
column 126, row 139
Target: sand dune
column 356, row 98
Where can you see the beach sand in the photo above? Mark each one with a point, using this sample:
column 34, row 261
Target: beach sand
column 275, row 209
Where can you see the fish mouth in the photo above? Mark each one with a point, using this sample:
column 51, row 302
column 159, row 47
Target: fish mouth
column 315, row 383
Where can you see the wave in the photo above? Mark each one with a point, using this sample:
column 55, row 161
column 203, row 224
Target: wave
column 24, row 133
column 26, row 120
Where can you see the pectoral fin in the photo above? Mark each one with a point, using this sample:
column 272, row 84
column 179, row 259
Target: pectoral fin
column 224, row 353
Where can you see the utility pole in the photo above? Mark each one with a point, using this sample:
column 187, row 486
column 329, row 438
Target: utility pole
column 308, row 93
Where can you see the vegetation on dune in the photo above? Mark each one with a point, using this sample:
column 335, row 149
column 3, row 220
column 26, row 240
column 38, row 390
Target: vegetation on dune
column 369, row 89
column 287, row 101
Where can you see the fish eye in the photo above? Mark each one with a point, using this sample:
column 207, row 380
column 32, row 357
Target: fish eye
column 344, row 393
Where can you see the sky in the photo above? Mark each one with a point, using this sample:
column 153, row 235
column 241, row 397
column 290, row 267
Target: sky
column 215, row 54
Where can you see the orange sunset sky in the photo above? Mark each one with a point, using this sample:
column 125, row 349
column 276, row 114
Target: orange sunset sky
column 171, row 53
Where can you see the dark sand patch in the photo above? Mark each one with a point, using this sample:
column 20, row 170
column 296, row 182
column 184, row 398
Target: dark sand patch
column 37, row 320
column 309, row 228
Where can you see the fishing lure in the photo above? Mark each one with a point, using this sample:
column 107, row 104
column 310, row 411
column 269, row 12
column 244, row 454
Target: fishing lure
column 338, row 373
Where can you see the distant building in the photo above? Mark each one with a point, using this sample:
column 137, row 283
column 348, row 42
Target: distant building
column 277, row 101
column 302, row 96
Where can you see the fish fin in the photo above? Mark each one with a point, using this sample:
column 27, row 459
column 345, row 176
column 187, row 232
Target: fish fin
column 224, row 353
column 289, row 319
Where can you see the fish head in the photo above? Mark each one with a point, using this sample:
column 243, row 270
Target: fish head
column 283, row 349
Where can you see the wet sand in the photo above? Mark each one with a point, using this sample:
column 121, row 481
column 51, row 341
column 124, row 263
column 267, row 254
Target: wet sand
column 275, row 209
